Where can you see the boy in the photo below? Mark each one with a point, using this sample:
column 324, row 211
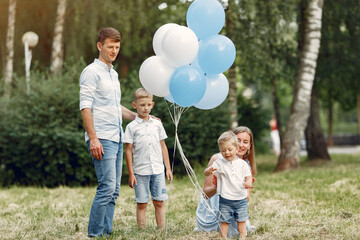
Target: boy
column 234, row 177
column 145, row 154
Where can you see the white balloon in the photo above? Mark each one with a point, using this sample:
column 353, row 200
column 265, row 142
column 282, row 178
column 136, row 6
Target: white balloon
column 180, row 46
column 155, row 76
column 159, row 35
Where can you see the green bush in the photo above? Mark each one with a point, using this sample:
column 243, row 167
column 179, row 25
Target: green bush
column 41, row 133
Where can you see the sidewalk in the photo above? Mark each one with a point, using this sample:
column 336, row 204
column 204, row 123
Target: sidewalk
column 344, row 149
column 338, row 150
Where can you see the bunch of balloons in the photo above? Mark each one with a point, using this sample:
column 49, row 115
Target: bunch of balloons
column 189, row 62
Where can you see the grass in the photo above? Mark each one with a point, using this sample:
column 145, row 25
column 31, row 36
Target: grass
column 320, row 201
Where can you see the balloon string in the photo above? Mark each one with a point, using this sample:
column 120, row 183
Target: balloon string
column 177, row 112
column 187, row 165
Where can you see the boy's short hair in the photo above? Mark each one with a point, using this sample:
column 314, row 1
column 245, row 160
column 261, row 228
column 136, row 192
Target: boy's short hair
column 108, row 32
column 228, row 136
column 142, row 93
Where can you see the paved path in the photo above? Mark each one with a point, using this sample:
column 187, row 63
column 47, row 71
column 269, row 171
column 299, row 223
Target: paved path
column 338, row 150
column 344, row 149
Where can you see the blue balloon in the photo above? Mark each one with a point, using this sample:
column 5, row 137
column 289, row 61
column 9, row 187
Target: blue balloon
column 217, row 88
column 205, row 18
column 187, row 85
column 216, row 54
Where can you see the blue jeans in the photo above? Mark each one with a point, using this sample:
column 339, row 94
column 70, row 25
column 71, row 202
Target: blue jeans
column 108, row 172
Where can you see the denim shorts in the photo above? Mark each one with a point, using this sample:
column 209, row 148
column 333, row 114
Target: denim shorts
column 155, row 183
column 231, row 210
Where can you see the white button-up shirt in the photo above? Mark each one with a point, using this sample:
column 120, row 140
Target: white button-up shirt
column 145, row 137
column 231, row 178
column 100, row 91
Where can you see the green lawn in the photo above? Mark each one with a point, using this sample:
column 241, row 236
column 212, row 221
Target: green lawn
column 315, row 202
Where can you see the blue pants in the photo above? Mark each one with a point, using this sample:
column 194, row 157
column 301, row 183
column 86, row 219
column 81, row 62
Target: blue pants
column 108, row 172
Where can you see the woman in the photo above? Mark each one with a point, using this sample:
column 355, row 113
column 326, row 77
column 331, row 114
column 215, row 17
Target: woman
column 207, row 214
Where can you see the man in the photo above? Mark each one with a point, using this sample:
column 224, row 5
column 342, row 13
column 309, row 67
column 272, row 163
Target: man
column 102, row 115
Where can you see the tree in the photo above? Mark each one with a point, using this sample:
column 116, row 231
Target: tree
column 273, row 54
column 315, row 141
column 267, row 52
column 316, row 145
column 350, row 28
column 231, row 17
column 57, row 55
column 337, row 72
column 358, row 111
column 10, row 49
column 300, row 108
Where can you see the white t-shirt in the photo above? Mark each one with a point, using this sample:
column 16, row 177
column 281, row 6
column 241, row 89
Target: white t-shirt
column 231, row 178
column 145, row 137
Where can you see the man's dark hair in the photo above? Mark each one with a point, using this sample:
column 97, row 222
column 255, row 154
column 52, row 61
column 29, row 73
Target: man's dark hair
column 109, row 32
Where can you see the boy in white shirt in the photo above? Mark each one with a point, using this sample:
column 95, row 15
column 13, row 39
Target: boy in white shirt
column 234, row 177
column 146, row 153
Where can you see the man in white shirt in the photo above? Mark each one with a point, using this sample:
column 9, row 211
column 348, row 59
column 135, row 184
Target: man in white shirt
column 102, row 115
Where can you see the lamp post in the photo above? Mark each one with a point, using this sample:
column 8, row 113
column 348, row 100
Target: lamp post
column 30, row 40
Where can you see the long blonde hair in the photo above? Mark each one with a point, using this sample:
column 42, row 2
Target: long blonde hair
column 250, row 156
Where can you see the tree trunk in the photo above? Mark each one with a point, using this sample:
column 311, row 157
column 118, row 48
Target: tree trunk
column 315, row 141
column 230, row 19
column 330, row 124
column 233, row 98
column 300, row 108
column 57, row 46
column 276, row 106
column 9, row 65
column 358, row 112
column 273, row 55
